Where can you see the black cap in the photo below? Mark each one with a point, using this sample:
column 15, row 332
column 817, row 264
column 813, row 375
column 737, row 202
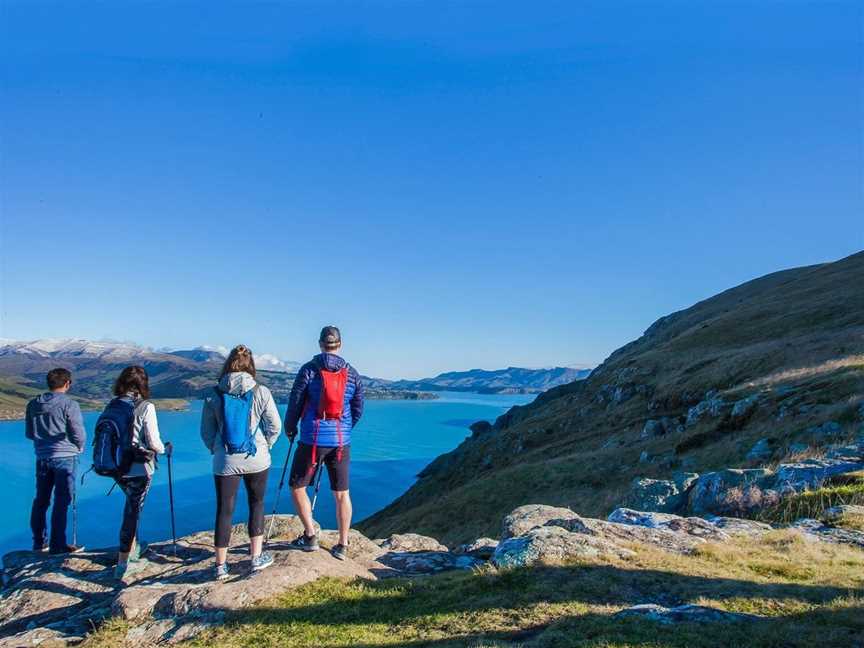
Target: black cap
column 330, row 337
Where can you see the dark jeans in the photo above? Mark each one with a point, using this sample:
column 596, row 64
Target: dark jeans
column 226, row 497
column 57, row 475
column 135, row 489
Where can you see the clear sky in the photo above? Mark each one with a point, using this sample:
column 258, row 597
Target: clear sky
column 455, row 184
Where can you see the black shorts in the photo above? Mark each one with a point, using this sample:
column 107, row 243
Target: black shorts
column 302, row 470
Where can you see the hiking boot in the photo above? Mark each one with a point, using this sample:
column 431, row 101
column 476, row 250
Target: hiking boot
column 220, row 572
column 340, row 552
column 122, row 570
column 261, row 561
column 68, row 549
column 306, row 543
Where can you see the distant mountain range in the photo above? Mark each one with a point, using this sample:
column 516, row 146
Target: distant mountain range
column 188, row 373
column 513, row 380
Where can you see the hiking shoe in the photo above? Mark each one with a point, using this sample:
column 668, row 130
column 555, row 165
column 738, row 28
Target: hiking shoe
column 122, row 570
column 261, row 561
column 68, row 549
column 306, row 543
column 340, row 552
column 220, row 572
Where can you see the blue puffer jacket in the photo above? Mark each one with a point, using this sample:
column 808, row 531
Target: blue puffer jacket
column 303, row 403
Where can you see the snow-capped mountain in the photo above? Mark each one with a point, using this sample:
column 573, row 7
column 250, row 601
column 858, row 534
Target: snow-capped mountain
column 53, row 347
column 269, row 362
column 110, row 351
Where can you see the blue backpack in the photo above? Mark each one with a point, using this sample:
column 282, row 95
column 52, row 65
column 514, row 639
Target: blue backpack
column 236, row 412
column 113, row 450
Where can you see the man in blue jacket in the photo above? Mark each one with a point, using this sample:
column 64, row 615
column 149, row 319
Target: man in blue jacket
column 53, row 422
column 324, row 439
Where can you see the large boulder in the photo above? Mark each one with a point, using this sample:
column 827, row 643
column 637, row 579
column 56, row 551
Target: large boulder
column 553, row 544
column 406, row 542
column 662, row 495
column 523, row 519
column 733, row 492
column 692, row 526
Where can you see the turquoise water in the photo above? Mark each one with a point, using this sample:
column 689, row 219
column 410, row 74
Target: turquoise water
column 392, row 443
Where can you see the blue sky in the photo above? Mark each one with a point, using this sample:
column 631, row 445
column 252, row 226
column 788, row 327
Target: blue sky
column 456, row 184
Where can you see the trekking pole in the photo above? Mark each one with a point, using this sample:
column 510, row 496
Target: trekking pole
column 171, row 499
column 317, row 485
column 279, row 492
column 74, row 517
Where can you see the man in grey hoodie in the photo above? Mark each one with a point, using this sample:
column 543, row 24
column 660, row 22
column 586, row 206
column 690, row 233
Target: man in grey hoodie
column 54, row 423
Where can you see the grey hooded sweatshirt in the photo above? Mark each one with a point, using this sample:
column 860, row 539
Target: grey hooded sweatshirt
column 264, row 419
column 53, row 422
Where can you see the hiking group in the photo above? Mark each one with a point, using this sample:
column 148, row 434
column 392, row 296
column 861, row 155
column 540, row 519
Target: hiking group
column 239, row 426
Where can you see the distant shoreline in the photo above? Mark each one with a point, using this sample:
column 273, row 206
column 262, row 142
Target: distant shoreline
column 182, row 404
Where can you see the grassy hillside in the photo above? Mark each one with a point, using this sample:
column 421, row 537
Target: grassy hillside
column 15, row 392
column 793, row 339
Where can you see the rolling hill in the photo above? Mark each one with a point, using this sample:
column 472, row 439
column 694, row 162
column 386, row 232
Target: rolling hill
column 777, row 361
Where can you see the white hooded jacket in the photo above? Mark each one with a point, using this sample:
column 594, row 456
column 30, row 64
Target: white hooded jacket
column 264, row 420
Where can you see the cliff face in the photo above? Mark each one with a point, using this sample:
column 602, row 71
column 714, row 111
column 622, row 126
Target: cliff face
column 777, row 362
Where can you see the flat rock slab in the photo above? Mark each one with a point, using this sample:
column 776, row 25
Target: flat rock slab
column 683, row 614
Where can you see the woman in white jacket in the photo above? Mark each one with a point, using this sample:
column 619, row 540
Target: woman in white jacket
column 250, row 466
column 133, row 387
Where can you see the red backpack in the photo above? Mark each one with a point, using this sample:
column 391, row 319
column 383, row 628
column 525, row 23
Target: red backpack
column 331, row 405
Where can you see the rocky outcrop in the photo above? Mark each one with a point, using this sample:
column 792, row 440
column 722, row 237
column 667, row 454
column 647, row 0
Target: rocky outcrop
column 683, row 614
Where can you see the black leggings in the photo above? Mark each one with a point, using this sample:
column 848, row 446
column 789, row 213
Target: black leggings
column 226, row 496
column 135, row 489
